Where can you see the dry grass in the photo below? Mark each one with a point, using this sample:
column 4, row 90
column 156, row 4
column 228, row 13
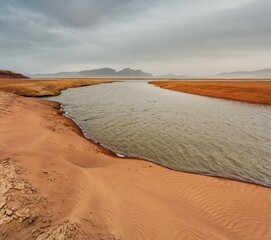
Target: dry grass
column 38, row 88
column 248, row 91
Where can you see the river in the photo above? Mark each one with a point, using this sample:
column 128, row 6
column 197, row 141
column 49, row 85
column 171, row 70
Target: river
column 181, row 131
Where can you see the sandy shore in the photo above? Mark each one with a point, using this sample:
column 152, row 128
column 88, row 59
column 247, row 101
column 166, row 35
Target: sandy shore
column 56, row 183
column 247, row 91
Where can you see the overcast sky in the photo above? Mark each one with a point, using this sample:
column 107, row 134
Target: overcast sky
column 157, row 36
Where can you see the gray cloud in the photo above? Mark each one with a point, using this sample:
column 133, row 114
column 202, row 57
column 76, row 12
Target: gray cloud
column 178, row 36
column 85, row 13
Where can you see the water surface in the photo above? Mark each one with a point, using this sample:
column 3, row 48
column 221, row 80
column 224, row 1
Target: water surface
column 178, row 130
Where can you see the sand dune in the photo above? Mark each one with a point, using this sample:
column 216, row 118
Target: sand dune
column 56, row 183
column 247, row 91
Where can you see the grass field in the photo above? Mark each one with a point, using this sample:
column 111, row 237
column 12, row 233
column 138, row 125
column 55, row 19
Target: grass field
column 248, row 91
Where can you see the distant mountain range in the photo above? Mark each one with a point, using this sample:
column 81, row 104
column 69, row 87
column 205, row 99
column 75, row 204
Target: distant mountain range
column 10, row 74
column 264, row 73
column 258, row 74
column 131, row 73
column 103, row 72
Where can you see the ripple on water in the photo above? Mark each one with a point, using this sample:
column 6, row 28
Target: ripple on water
column 181, row 131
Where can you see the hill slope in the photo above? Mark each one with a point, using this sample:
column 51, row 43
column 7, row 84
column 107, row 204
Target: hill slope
column 9, row 74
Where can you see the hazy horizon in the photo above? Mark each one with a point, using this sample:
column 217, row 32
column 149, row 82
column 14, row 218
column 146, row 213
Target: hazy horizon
column 196, row 37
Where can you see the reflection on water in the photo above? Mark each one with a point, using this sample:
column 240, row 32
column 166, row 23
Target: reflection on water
column 181, row 131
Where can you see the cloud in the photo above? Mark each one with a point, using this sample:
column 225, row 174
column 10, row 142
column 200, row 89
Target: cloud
column 178, row 36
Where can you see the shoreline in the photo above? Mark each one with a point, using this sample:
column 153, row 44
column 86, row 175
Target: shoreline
column 114, row 153
column 110, row 152
column 78, row 190
column 258, row 92
column 83, row 134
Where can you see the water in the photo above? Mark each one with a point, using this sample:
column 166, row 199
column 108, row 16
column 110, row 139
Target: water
column 178, row 130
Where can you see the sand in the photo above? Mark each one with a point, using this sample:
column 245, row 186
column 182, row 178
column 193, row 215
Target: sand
column 247, row 91
column 55, row 184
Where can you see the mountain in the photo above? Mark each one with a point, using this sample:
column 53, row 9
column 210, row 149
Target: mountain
column 133, row 73
column 264, row 73
column 103, row 72
column 9, row 74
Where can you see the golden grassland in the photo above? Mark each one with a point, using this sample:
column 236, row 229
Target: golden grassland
column 38, row 88
column 248, row 91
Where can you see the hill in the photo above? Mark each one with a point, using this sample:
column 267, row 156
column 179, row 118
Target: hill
column 263, row 73
column 9, row 74
column 101, row 73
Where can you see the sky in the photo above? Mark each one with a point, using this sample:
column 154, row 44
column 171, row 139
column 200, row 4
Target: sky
column 198, row 37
